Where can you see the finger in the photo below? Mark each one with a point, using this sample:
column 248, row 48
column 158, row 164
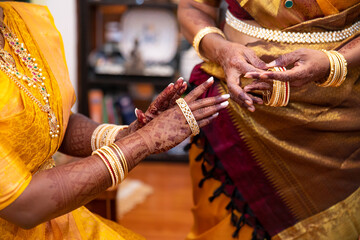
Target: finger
column 208, row 102
column 295, row 74
column 206, row 121
column 256, row 99
column 194, row 94
column 178, row 94
column 208, row 111
column 284, row 60
column 256, row 61
column 236, row 92
column 162, row 99
column 141, row 118
column 257, row 85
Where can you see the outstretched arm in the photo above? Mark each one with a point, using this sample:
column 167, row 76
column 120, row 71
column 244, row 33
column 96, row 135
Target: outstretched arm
column 62, row 189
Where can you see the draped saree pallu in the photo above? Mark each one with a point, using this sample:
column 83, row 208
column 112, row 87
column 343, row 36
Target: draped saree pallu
column 25, row 145
column 282, row 172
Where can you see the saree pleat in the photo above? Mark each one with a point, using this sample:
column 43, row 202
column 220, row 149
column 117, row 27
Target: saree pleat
column 297, row 161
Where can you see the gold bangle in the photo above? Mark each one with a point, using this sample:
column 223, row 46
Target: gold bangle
column 280, row 95
column 108, row 166
column 201, row 34
column 338, row 69
column 189, row 116
column 110, row 159
column 110, row 137
column 343, row 68
column 122, row 158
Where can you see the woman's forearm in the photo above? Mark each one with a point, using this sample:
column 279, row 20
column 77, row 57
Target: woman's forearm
column 351, row 52
column 54, row 192
column 195, row 16
column 77, row 139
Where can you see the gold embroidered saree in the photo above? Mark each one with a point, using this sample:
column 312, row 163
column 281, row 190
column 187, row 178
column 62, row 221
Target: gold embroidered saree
column 295, row 170
column 25, row 143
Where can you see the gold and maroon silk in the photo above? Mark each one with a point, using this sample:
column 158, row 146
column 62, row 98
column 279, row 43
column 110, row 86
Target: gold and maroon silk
column 309, row 151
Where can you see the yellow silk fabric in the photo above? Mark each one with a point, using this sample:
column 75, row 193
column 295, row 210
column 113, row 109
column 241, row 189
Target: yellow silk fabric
column 308, row 150
column 212, row 221
column 25, row 142
column 340, row 221
column 213, row 3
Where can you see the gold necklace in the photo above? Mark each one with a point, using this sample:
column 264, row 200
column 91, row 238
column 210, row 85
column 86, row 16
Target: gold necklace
column 36, row 81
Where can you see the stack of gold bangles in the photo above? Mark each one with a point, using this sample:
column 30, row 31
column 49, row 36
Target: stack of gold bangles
column 338, row 69
column 280, row 93
column 105, row 134
column 189, row 116
column 115, row 162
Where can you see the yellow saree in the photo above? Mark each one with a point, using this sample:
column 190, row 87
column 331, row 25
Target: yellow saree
column 25, row 145
column 305, row 155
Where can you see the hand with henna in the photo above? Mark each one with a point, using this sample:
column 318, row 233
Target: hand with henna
column 165, row 100
column 308, row 66
column 171, row 128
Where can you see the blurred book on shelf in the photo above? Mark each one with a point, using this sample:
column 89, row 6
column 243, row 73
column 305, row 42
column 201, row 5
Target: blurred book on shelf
column 114, row 108
column 95, row 97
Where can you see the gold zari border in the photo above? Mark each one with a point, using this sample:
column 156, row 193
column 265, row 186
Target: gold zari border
column 341, row 221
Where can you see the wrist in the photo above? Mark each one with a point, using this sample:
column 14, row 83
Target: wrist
column 212, row 47
column 135, row 148
column 204, row 52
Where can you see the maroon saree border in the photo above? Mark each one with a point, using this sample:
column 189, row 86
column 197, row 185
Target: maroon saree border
column 247, row 175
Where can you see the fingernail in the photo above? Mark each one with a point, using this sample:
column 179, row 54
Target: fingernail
column 224, row 104
column 225, row 96
column 251, row 109
column 136, row 112
column 211, row 79
column 271, row 64
column 248, row 102
column 247, row 75
column 215, row 115
column 264, row 76
column 170, row 84
column 180, row 78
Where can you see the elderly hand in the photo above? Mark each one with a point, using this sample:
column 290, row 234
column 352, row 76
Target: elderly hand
column 237, row 60
column 308, row 66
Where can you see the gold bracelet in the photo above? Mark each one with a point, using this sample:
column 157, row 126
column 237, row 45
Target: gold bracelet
column 98, row 135
column 189, row 116
column 280, row 95
column 338, row 69
column 201, row 34
column 343, row 67
column 110, row 137
column 108, row 166
column 110, row 159
column 122, row 158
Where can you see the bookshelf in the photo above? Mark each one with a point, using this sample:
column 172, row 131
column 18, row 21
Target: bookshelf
column 93, row 17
